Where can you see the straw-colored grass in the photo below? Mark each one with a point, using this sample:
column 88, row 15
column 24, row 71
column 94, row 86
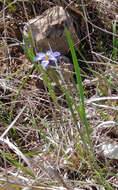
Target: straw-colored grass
column 52, row 138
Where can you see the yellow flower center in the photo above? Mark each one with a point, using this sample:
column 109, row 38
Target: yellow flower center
column 47, row 58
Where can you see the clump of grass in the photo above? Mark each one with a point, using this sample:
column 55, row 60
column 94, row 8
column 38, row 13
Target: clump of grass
column 65, row 146
column 84, row 150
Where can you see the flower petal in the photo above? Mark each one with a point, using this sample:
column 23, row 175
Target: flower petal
column 41, row 57
column 51, row 58
column 56, row 54
column 40, row 54
column 48, row 53
column 36, row 59
column 44, row 63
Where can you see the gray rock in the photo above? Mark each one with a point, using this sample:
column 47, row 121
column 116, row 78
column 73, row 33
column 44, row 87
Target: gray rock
column 48, row 30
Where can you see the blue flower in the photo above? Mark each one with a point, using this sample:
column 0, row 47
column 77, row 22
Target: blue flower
column 46, row 58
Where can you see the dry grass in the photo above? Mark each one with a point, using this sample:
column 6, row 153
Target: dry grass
column 40, row 144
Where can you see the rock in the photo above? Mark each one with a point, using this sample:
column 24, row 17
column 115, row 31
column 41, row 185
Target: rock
column 110, row 150
column 48, row 30
column 106, row 140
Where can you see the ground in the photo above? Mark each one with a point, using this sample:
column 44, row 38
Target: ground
column 46, row 140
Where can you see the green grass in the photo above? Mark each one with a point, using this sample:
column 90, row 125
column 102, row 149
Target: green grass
column 66, row 141
column 86, row 153
column 115, row 42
